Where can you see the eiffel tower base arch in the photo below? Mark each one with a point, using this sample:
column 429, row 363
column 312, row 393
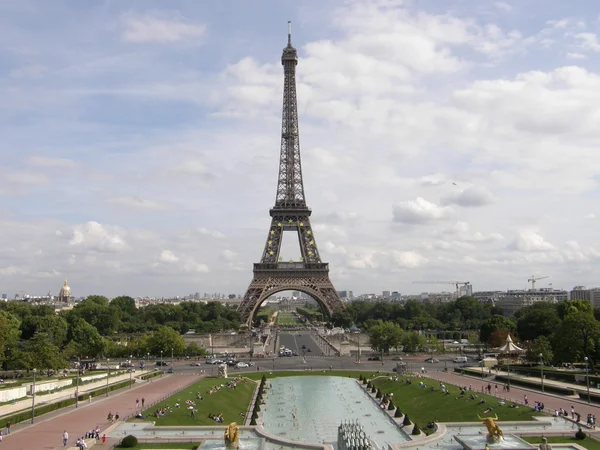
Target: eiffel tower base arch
column 264, row 285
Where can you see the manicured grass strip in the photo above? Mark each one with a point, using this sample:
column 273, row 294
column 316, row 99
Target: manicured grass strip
column 229, row 402
column 423, row 406
column 287, row 319
column 589, row 443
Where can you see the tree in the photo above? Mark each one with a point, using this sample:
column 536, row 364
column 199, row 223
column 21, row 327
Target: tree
column 55, row 326
column 385, row 336
column 577, row 338
column 193, row 349
column 165, row 339
column 41, row 354
column 540, row 345
column 9, row 334
column 85, row 341
column 414, row 342
column 495, row 323
column 540, row 319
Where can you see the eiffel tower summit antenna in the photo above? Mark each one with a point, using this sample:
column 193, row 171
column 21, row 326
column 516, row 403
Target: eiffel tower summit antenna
column 290, row 213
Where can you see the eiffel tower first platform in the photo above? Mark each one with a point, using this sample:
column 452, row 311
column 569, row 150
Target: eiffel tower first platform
column 271, row 275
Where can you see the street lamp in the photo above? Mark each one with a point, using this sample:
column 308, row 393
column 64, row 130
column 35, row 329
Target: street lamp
column 148, row 361
column 161, row 363
column 508, row 387
column 33, row 397
column 542, row 371
column 587, row 378
column 130, row 370
column 172, row 365
column 108, row 374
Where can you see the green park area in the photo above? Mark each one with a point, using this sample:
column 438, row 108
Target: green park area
column 423, row 405
column 226, row 401
column 287, row 319
column 589, row 443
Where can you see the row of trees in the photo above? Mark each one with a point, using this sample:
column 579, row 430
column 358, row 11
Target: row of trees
column 560, row 332
column 34, row 336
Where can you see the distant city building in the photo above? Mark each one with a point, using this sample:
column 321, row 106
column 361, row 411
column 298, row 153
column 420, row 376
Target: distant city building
column 592, row 296
column 465, row 290
column 512, row 301
column 386, row 294
column 64, row 296
column 348, row 295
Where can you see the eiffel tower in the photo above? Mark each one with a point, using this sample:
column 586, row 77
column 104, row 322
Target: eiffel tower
column 271, row 275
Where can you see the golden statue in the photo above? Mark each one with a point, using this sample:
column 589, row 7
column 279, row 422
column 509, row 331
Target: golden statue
column 494, row 431
column 232, row 435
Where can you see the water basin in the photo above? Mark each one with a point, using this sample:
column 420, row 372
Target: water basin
column 316, row 405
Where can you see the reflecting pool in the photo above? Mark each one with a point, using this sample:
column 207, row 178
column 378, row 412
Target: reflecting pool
column 310, row 408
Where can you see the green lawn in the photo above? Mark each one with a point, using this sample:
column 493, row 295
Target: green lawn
column 589, row 443
column 423, row 406
column 229, row 402
column 286, row 318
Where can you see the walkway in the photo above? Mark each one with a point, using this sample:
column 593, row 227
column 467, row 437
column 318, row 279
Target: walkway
column 63, row 394
column 517, row 394
column 47, row 431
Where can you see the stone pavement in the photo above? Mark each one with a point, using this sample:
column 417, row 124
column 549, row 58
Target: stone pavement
column 46, row 433
column 63, row 394
column 517, row 394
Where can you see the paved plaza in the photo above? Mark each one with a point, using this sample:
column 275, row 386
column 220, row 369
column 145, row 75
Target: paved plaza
column 46, row 433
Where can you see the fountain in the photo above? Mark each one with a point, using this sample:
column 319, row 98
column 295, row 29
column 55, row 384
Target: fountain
column 495, row 438
column 232, row 436
column 222, row 371
column 352, row 436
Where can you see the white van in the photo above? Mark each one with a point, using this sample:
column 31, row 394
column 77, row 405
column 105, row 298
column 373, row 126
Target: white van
column 460, row 359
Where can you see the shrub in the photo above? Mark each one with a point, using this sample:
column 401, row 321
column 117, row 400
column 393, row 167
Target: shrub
column 416, row 430
column 253, row 421
column 373, row 389
column 391, row 406
column 379, row 394
column 406, row 421
column 129, row 442
column 580, row 435
column 360, row 378
column 398, row 413
column 369, row 385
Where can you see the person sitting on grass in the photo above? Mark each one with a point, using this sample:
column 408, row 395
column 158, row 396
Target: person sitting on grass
column 482, row 401
column 490, row 409
column 513, row 405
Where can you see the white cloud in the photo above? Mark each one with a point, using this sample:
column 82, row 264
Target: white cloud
column 97, row 237
column 588, row 41
column 530, row 241
column 168, row 256
column 161, row 28
column 418, row 211
column 24, row 177
column 470, row 197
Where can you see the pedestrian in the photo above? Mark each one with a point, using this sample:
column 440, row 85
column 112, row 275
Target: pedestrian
column 143, row 401
column 65, row 438
column 137, row 403
column 116, row 417
column 103, row 439
column 0, row 435
column 90, row 399
column 8, row 427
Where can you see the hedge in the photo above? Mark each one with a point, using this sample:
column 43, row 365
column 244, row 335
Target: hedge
column 151, row 375
column 41, row 410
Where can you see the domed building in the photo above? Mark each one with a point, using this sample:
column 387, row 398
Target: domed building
column 64, row 296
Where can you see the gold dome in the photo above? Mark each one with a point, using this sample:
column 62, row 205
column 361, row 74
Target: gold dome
column 65, row 291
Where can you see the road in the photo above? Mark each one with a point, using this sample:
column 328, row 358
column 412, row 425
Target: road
column 300, row 342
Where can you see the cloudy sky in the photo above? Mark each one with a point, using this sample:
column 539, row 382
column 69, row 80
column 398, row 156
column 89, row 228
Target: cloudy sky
column 453, row 140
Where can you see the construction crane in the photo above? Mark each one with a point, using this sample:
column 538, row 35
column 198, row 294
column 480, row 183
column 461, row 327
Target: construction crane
column 533, row 279
column 455, row 283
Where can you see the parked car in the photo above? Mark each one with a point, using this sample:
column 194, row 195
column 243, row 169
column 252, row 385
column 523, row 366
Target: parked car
column 242, row 365
column 374, row 358
column 432, row 360
column 161, row 363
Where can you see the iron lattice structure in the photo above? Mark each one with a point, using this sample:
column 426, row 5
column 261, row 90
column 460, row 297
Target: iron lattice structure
column 290, row 213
